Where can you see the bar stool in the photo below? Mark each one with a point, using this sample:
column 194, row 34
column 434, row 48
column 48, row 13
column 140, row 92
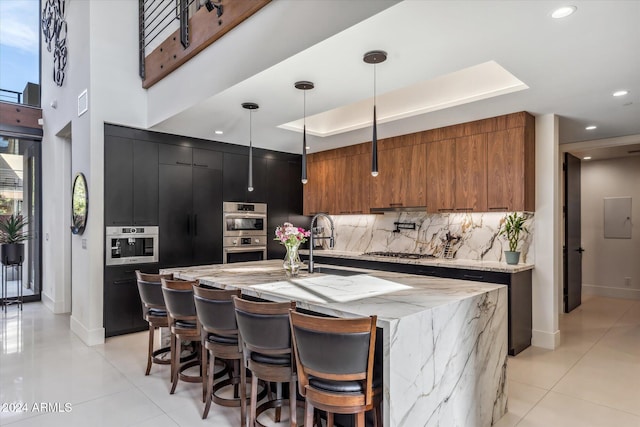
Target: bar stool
column 219, row 334
column 183, row 324
column 154, row 312
column 265, row 335
column 335, row 366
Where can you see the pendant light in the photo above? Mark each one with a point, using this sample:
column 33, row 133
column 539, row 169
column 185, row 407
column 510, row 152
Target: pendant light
column 304, row 85
column 250, row 106
column 374, row 57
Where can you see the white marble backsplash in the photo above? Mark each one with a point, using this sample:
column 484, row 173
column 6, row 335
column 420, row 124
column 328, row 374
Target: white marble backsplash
column 477, row 234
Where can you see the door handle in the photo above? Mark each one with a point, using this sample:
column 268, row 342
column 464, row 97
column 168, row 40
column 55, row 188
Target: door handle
column 580, row 250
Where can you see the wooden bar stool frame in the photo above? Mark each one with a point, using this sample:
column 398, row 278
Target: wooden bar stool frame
column 336, row 402
column 264, row 371
column 179, row 332
column 152, row 305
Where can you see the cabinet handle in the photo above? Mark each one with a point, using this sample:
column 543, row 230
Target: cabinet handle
column 464, row 209
column 445, row 209
column 183, row 163
column 357, row 212
column 395, row 204
column 195, row 225
column 123, row 282
column 200, row 166
column 189, row 225
column 471, row 276
column 345, row 212
column 503, row 208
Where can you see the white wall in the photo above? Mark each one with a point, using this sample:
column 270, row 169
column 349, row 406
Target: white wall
column 548, row 253
column 104, row 62
column 606, row 262
column 60, row 160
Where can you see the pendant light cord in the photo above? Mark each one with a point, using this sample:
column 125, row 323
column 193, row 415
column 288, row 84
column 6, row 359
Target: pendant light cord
column 250, row 181
column 374, row 84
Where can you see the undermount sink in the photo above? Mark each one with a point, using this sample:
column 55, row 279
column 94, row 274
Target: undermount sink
column 335, row 271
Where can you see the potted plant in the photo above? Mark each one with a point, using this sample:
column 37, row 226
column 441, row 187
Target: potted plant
column 512, row 227
column 12, row 234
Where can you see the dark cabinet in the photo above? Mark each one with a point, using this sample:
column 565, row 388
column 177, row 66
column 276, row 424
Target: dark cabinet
column 207, row 208
column 191, row 209
column 277, row 203
column 175, row 155
column 149, row 180
column 131, row 182
column 176, row 201
column 122, row 307
column 519, row 297
column 236, row 178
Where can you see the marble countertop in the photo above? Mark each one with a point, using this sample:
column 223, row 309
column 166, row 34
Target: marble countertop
column 442, row 340
column 390, row 296
column 436, row 262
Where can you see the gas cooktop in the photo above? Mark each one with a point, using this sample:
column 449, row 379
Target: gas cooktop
column 408, row 255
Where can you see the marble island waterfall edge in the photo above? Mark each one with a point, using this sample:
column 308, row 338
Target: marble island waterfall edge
column 444, row 341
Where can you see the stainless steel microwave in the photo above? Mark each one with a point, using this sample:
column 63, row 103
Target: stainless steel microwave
column 131, row 245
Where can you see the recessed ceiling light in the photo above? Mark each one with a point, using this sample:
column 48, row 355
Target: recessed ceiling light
column 563, row 12
column 586, row 158
column 219, row 132
column 620, row 93
column 592, row 127
column 308, row 148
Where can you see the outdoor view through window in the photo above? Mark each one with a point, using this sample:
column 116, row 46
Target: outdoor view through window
column 19, row 150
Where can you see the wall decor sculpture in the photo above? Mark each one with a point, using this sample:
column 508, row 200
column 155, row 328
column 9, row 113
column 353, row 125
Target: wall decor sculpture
column 54, row 30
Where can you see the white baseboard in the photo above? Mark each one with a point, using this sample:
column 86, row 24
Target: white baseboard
column 56, row 307
column 606, row 291
column 548, row 340
column 89, row 337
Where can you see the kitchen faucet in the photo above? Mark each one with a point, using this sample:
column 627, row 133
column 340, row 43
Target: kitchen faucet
column 312, row 238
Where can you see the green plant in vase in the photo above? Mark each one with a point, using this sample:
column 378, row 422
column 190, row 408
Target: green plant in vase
column 12, row 233
column 513, row 226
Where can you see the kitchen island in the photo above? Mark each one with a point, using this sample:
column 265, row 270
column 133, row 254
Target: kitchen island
column 444, row 340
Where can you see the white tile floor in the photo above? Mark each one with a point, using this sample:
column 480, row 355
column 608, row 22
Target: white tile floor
column 592, row 379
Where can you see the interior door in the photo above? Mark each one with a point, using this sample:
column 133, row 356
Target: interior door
column 572, row 238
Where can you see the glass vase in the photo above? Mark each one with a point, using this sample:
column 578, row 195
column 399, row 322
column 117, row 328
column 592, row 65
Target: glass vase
column 292, row 261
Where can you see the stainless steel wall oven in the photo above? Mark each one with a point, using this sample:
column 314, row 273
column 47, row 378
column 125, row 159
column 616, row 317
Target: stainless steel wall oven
column 244, row 232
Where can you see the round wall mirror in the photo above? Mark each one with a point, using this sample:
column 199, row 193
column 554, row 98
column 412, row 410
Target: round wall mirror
column 79, row 204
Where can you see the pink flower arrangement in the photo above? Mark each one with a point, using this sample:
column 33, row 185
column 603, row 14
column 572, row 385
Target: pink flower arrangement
column 290, row 235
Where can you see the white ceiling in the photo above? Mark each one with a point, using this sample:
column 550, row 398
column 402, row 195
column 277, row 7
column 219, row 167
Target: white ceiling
column 570, row 66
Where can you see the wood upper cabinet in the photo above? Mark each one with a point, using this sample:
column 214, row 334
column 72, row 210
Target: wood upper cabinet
column 510, row 170
column 481, row 166
column 401, row 179
column 352, row 175
column 320, row 189
column 471, row 173
column 441, row 175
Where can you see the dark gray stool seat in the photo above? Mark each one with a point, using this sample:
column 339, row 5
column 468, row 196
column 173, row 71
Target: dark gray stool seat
column 265, row 335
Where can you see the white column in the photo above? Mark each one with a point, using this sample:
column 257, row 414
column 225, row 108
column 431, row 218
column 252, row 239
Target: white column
column 548, row 249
